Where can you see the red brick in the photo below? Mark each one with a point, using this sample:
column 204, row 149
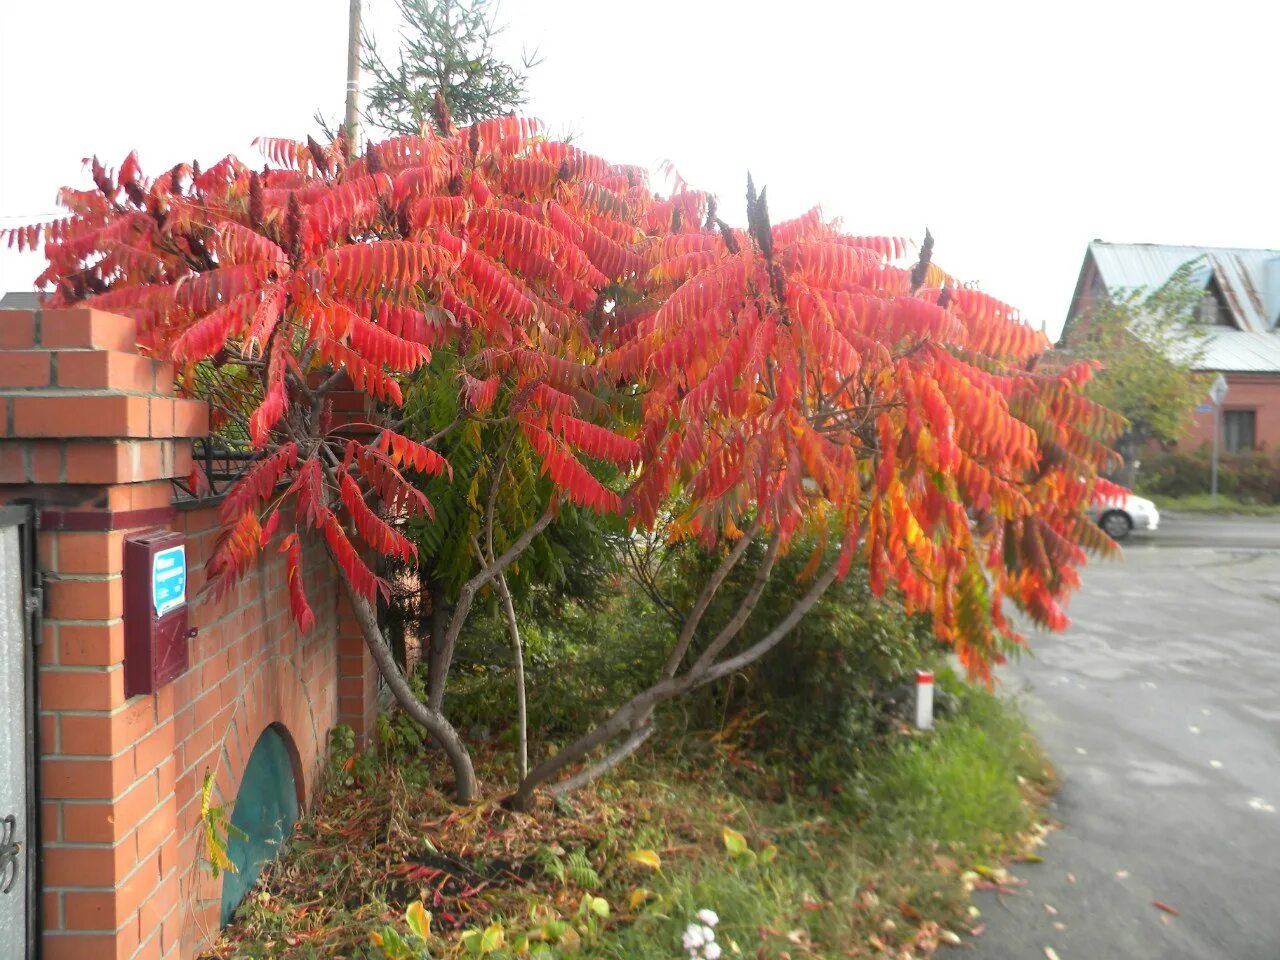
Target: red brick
column 48, row 734
column 81, row 689
column 108, row 415
column 96, row 463
column 17, row 330
column 154, row 747
column 182, row 460
column 169, row 856
column 163, row 383
column 98, row 909
column 47, row 462
column 150, row 949
column 107, row 734
column 166, row 776
column 156, row 907
column 50, row 822
column 72, row 945
column 157, row 828
column 86, row 599
column 105, row 370
column 190, row 418
column 28, row 368
column 91, row 644
column 86, row 779
column 90, row 552
column 49, row 644
column 161, row 417
column 51, row 910
column 78, row 327
column 140, row 496
column 108, row 822
column 171, row 929
column 87, row 866
column 13, row 454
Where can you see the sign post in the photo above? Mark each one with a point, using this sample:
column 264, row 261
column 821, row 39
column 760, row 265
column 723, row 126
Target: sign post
column 1217, row 393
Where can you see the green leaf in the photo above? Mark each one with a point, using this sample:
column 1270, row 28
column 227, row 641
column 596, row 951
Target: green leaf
column 769, row 854
column 492, row 938
column 600, row 907
column 735, row 842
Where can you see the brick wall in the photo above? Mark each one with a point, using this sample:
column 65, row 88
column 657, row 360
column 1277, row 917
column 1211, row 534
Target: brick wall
column 90, row 435
column 1259, row 392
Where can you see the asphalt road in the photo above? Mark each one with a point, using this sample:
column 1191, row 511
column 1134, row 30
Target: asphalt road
column 1161, row 709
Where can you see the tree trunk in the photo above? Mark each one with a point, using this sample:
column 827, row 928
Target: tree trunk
column 517, row 651
column 438, row 654
column 465, row 785
column 442, row 647
column 635, row 714
column 1130, row 449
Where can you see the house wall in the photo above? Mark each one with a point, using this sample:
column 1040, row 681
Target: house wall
column 1245, row 391
column 90, row 437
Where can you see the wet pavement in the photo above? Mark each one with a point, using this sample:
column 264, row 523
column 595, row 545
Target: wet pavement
column 1161, row 709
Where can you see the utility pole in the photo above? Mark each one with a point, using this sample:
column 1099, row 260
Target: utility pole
column 353, row 76
column 1217, row 393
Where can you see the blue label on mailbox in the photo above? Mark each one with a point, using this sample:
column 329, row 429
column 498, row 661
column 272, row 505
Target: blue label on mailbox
column 169, row 580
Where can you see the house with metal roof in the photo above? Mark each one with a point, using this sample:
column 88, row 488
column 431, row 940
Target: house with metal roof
column 1240, row 310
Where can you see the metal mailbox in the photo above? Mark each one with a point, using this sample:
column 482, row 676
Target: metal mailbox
column 155, row 610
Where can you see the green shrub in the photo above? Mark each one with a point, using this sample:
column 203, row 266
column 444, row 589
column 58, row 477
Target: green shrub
column 1253, row 477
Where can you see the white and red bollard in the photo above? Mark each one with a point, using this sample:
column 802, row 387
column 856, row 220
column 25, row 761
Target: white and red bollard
column 924, row 700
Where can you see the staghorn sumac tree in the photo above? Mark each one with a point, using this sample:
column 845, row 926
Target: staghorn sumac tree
column 729, row 385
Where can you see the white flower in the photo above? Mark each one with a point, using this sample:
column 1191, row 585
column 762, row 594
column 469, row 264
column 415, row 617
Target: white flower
column 693, row 937
column 708, row 917
column 711, row 951
column 708, row 935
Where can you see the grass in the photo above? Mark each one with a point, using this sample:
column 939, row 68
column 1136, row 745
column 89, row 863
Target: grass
column 885, row 866
column 1204, row 503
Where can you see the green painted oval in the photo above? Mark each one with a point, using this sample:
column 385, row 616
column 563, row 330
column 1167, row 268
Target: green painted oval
column 265, row 811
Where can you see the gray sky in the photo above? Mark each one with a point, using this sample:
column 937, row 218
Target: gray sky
column 1015, row 131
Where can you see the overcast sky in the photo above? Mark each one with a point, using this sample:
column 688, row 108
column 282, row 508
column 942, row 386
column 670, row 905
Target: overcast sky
column 1015, row 131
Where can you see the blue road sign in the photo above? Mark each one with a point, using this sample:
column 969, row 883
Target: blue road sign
column 169, row 580
column 1204, row 408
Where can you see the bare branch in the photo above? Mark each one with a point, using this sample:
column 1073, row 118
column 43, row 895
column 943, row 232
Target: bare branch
column 708, row 594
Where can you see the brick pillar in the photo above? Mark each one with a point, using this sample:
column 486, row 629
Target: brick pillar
column 357, row 677
column 91, row 434
column 357, row 674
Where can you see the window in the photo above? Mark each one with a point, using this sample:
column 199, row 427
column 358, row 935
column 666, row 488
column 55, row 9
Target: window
column 1213, row 310
column 1238, row 430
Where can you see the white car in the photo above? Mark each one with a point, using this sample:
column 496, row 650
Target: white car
column 1120, row 516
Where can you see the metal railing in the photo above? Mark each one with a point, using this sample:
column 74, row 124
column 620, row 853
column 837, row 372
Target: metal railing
column 222, row 465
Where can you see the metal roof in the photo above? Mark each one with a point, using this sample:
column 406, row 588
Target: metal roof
column 1241, row 351
column 20, row 300
column 1249, row 279
column 1250, row 285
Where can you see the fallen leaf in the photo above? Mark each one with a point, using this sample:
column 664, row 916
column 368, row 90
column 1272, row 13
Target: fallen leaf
column 1051, row 953
column 1161, row 905
column 1058, row 925
column 1071, row 878
column 646, row 858
column 1122, row 874
column 1052, row 909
